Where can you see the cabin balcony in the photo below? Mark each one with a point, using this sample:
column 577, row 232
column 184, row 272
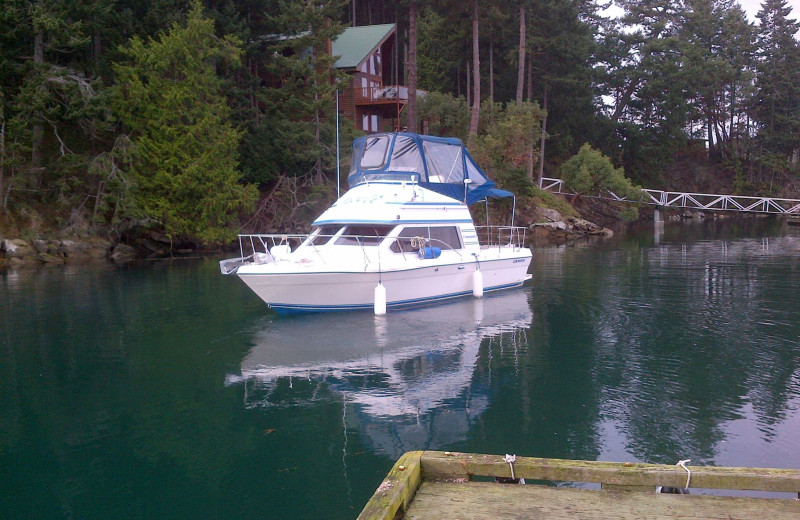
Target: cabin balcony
column 383, row 95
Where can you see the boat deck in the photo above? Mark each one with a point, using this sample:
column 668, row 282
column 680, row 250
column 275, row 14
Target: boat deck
column 436, row 485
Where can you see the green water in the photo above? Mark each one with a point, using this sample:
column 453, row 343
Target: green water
column 165, row 390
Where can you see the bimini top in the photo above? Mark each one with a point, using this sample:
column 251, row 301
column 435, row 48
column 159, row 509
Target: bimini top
column 440, row 164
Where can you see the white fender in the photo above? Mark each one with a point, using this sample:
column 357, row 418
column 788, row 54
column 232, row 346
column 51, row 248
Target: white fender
column 477, row 283
column 380, row 300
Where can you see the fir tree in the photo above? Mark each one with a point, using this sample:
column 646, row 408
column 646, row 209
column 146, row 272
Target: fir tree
column 170, row 97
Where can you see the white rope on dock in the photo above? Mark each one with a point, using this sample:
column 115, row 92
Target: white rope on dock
column 510, row 459
column 682, row 463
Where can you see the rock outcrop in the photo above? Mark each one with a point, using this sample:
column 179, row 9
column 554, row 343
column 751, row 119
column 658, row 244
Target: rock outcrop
column 16, row 252
column 552, row 228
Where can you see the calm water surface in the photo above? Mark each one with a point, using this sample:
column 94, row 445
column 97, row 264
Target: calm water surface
column 167, row 390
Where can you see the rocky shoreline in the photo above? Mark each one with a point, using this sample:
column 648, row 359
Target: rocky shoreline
column 16, row 252
column 552, row 228
column 19, row 253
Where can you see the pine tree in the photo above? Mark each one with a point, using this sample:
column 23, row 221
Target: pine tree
column 170, row 98
column 777, row 102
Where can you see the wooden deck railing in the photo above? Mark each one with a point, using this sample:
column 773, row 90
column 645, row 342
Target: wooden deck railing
column 382, row 94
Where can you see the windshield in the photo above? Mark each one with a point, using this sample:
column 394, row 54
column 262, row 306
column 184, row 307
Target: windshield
column 374, row 155
column 363, row 234
column 323, row 234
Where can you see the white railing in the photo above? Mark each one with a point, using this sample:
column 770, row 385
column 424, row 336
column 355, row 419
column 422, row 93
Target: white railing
column 501, row 236
column 700, row 201
column 267, row 248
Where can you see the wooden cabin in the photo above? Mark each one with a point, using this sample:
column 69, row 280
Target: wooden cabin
column 374, row 98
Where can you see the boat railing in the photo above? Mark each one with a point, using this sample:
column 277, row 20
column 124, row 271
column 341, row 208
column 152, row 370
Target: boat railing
column 250, row 245
column 281, row 244
column 501, row 236
column 261, row 248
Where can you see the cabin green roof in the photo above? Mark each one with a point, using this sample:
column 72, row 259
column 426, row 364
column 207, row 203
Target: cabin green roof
column 356, row 43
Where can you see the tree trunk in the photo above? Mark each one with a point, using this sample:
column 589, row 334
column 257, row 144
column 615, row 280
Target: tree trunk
column 530, row 81
column 522, row 45
column 468, row 85
column 38, row 128
column 412, row 66
column 623, row 101
column 2, row 159
column 720, row 141
column 530, row 158
column 476, row 77
column 710, row 133
column 317, row 120
column 491, row 68
column 97, row 50
column 544, row 136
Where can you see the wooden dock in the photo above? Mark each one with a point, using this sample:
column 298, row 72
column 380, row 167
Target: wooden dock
column 443, row 485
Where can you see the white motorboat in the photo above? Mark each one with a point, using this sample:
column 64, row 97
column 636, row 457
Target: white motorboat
column 402, row 235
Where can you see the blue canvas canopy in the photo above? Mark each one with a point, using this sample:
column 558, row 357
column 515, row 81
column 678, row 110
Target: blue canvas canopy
column 440, row 164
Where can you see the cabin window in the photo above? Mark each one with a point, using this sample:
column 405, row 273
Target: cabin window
column 363, row 235
column 373, row 156
column 444, row 237
column 324, row 235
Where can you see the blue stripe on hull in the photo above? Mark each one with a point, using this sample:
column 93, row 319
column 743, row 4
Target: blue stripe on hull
column 294, row 308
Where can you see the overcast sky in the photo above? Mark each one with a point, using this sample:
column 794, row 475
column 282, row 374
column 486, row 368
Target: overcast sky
column 751, row 7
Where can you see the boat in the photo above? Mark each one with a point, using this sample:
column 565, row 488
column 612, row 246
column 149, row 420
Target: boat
column 435, row 484
column 402, row 235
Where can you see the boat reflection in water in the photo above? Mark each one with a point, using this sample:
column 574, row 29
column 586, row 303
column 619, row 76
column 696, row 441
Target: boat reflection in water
column 405, row 379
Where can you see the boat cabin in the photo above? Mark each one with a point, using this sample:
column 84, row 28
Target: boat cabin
column 440, row 164
column 425, row 240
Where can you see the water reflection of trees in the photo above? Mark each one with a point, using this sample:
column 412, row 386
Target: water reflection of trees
column 672, row 342
column 109, row 400
column 112, row 395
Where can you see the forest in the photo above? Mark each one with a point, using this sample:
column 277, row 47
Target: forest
column 124, row 116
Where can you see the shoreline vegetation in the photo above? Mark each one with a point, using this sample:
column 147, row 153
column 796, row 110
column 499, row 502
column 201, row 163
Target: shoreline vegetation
column 550, row 228
column 137, row 129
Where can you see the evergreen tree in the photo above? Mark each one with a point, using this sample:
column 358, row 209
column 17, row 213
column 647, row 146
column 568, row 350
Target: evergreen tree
column 644, row 77
column 561, row 44
column 716, row 43
column 169, row 96
column 476, row 76
column 438, row 52
column 291, row 123
column 591, row 172
column 777, row 101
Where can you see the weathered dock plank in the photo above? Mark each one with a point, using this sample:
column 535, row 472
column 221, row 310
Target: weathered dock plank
column 397, row 489
column 489, row 501
column 446, row 465
column 435, row 485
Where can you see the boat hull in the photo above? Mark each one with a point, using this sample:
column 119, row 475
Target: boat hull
column 338, row 291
